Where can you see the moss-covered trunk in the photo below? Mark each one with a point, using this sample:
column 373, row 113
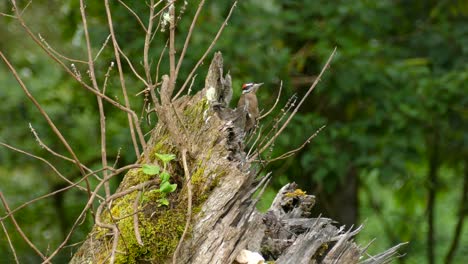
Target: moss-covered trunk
column 217, row 185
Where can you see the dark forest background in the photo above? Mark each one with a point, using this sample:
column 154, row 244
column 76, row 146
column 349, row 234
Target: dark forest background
column 393, row 155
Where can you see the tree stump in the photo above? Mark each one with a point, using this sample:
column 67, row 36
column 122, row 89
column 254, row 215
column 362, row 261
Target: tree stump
column 219, row 187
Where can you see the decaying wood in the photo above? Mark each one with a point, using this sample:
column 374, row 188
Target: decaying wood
column 224, row 220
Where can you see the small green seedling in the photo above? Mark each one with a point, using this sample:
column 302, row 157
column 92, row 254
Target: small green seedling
column 165, row 187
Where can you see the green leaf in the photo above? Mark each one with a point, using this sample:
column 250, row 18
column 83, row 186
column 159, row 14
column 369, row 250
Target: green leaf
column 151, row 169
column 173, row 187
column 166, row 187
column 164, row 176
column 165, row 158
column 163, row 201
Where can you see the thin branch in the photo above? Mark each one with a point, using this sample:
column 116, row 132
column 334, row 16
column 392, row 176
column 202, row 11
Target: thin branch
column 156, row 78
column 102, row 118
column 44, row 146
column 49, row 121
column 106, row 77
column 172, row 76
column 187, row 39
column 255, row 141
column 131, row 67
column 162, row 9
column 274, row 124
column 7, row 15
column 146, row 46
column 26, row 7
column 134, row 14
column 274, row 105
column 188, row 182
column 59, row 54
column 294, row 151
column 132, row 166
column 191, row 84
column 65, row 68
column 206, row 52
column 135, row 123
column 297, row 107
column 83, row 211
column 43, row 160
column 20, row 231
column 114, row 227
column 135, row 219
column 9, row 242
column 102, row 48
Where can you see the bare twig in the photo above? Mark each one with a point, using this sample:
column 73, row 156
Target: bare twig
column 274, row 105
column 104, row 85
column 7, row 15
column 132, row 67
column 132, row 124
column 255, row 142
column 20, row 231
column 43, row 160
column 294, row 151
column 132, row 166
column 187, row 39
column 191, row 84
column 134, row 14
column 59, row 54
column 44, row 146
column 188, row 181
column 206, row 52
column 82, row 214
column 297, row 107
column 156, row 78
column 274, row 124
column 102, row 118
column 128, row 110
column 172, row 72
column 9, row 242
column 49, row 121
column 146, row 46
column 102, row 48
column 162, row 9
column 26, row 7
column 135, row 219
column 114, row 227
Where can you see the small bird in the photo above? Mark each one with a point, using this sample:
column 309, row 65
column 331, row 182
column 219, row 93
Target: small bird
column 248, row 105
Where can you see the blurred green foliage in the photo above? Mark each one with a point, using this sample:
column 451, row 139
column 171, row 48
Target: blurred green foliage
column 396, row 93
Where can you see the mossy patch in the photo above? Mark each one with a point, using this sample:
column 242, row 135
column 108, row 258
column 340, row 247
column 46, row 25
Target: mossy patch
column 160, row 227
column 295, row 193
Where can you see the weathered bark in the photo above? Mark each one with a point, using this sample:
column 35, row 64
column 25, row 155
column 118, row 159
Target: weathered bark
column 224, row 220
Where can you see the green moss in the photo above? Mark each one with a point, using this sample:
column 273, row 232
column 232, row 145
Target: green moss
column 193, row 113
column 160, row 227
column 160, row 236
column 161, row 146
column 136, row 176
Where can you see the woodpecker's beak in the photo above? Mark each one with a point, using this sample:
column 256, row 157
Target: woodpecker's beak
column 256, row 86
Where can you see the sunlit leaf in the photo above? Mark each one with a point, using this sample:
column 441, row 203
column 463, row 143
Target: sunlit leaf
column 150, row 169
column 164, row 176
column 165, row 158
